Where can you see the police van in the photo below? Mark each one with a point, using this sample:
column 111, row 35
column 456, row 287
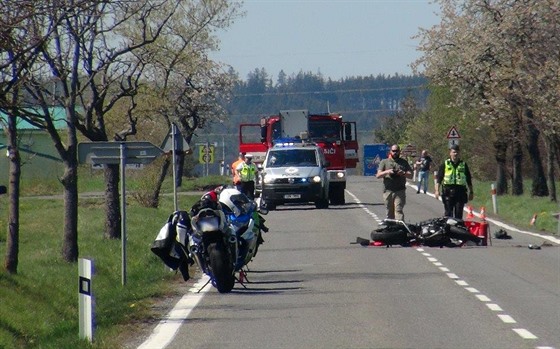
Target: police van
column 294, row 172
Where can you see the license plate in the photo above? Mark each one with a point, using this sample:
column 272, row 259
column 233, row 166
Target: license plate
column 292, row 196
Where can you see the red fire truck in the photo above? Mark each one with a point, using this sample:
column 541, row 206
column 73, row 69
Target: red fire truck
column 337, row 138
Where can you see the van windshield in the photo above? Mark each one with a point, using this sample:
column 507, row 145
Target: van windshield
column 292, row 157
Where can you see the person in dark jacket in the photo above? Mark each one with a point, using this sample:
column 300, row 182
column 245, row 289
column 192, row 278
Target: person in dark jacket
column 455, row 180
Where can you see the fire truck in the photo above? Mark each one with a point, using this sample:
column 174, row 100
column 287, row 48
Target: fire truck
column 337, row 139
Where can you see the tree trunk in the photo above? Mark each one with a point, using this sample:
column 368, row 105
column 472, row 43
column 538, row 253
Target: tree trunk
column 70, row 184
column 12, row 241
column 501, row 175
column 539, row 187
column 159, row 183
column 551, row 156
column 517, row 172
column 112, row 202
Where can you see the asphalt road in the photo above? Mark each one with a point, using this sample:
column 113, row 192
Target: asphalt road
column 310, row 287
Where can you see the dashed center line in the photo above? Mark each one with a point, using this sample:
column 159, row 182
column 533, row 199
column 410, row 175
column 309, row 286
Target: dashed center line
column 507, row 319
column 523, row 333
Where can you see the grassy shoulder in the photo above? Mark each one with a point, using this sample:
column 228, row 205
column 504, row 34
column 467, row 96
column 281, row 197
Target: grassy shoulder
column 40, row 304
column 518, row 210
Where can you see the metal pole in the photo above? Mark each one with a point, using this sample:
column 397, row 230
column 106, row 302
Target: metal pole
column 174, row 154
column 223, row 156
column 207, row 157
column 123, row 212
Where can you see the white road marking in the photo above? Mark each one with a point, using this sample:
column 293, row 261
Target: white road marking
column 482, row 298
column 494, row 307
column 167, row 328
column 523, row 333
column 507, row 319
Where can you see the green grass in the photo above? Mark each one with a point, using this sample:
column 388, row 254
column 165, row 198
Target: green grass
column 518, row 210
column 39, row 305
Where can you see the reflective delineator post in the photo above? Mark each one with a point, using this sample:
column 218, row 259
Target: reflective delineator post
column 85, row 271
column 494, row 199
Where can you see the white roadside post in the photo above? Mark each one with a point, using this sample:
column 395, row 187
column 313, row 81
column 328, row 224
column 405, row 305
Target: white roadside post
column 494, row 199
column 85, row 271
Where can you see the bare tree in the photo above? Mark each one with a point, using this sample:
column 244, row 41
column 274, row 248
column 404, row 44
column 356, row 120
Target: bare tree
column 95, row 53
column 20, row 37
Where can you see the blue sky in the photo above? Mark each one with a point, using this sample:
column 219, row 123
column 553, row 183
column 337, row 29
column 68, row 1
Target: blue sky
column 337, row 38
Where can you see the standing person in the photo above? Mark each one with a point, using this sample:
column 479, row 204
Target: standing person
column 247, row 172
column 423, row 165
column 455, row 177
column 394, row 170
column 236, row 179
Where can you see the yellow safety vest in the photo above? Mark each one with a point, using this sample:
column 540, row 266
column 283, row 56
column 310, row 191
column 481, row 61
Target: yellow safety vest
column 454, row 175
column 248, row 172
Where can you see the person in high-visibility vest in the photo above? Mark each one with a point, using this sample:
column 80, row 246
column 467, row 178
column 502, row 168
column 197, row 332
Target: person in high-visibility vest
column 236, row 179
column 247, row 172
column 455, row 180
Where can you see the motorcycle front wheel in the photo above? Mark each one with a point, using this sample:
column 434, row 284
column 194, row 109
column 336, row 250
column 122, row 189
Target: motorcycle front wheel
column 463, row 234
column 222, row 269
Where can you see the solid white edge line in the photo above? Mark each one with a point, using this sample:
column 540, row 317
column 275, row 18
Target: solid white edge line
column 167, row 328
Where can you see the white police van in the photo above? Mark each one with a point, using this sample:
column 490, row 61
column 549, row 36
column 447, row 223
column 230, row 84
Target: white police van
column 295, row 172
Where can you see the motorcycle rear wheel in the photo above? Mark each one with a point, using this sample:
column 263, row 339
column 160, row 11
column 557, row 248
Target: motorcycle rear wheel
column 222, row 269
column 390, row 236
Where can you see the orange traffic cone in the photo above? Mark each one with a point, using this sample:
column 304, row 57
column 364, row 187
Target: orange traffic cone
column 470, row 214
column 533, row 220
column 483, row 213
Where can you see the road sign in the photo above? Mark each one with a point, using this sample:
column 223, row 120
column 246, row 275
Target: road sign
column 206, row 154
column 408, row 150
column 110, row 152
column 453, row 133
column 182, row 145
column 453, row 141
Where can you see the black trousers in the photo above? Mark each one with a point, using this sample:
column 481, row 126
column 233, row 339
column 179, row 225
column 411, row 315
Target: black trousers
column 454, row 202
column 248, row 188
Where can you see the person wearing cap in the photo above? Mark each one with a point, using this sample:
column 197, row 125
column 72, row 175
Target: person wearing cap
column 455, row 180
column 236, row 179
column 394, row 170
column 247, row 172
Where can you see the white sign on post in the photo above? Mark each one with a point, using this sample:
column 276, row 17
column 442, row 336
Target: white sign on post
column 85, row 271
column 453, row 136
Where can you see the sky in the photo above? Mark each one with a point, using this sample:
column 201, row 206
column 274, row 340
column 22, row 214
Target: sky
column 337, row 38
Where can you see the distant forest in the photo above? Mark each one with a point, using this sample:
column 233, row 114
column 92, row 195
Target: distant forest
column 366, row 100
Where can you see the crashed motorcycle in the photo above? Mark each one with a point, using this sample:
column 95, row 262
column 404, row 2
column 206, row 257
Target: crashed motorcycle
column 435, row 232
